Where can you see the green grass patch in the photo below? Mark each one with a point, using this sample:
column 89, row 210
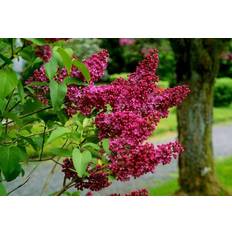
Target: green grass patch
column 221, row 115
column 223, row 168
column 167, row 124
column 117, row 75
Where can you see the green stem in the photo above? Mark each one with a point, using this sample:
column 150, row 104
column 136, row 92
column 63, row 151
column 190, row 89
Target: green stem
column 42, row 148
column 29, row 114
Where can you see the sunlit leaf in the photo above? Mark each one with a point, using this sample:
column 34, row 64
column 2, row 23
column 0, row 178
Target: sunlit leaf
column 57, row 133
column 83, row 69
column 51, row 68
column 9, row 82
column 57, row 93
column 81, row 161
column 67, row 60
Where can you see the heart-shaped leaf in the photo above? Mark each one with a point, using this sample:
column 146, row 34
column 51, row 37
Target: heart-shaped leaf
column 81, row 161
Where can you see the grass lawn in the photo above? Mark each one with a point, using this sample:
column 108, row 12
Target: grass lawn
column 223, row 172
column 221, row 114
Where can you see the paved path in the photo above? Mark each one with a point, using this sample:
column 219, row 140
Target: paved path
column 222, row 135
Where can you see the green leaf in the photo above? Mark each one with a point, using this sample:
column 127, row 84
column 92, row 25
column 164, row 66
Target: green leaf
column 111, row 178
column 105, row 145
column 62, row 117
column 51, row 68
column 77, row 193
column 81, row 161
column 9, row 81
column 60, row 152
column 9, row 161
column 37, row 41
column 91, row 145
column 28, row 54
column 76, row 135
column 83, row 69
column 57, row 93
column 1, row 129
column 67, row 60
column 30, row 141
column 57, row 133
column 21, row 92
column 73, row 81
column 37, row 83
column 69, row 51
column 5, row 59
column 3, row 103
column 2, row 190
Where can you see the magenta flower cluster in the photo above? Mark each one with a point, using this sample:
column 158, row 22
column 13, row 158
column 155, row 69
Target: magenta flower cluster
column 139, row 192
column 96, row 180
column 44, row 52
column 126, row 41
column 136, row 106
column 96, row 65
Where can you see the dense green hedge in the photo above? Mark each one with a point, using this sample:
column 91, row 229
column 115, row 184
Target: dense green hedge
column 223, row 92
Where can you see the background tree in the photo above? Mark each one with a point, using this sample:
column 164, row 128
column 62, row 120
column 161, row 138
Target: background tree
column 197, row 64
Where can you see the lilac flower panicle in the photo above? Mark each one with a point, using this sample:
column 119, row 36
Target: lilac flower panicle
column 137, row 105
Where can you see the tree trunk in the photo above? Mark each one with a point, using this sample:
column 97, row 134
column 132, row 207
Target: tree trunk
column 197, row 65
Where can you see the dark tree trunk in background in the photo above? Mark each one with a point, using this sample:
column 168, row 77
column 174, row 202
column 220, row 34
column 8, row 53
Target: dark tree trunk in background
column 197, row 64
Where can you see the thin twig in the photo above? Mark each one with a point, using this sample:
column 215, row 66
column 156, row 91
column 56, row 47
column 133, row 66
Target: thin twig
column 37, row 160
column 47, row 131
column 9, row 99
column 42, row 148
column 66, row 187
column 8, row 102
column 27, row 179
column 12, row 56
column 14, row 106
column 64, row 181
column 56, row 161
column 29, row 114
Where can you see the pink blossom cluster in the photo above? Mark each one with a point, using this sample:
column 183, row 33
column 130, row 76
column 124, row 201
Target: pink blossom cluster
column 138, row 94
column 137, row 105
column 96, row 65
column 127, row 162
column 41, row 92
column 95, row 181
column 140, row 192
column 146, row 51
column 227, row 56
column 44, row 52
column 126, row 41
column 52, row 40
column 124, row 124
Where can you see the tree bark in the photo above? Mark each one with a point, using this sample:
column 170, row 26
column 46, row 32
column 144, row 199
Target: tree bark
column 197, row 63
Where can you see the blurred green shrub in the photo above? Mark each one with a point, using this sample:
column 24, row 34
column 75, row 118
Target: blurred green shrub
column 223, row 92
column 84, row 48
column 163, row 84
column 225, row 69
column 123, row 59
column 118, row 75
